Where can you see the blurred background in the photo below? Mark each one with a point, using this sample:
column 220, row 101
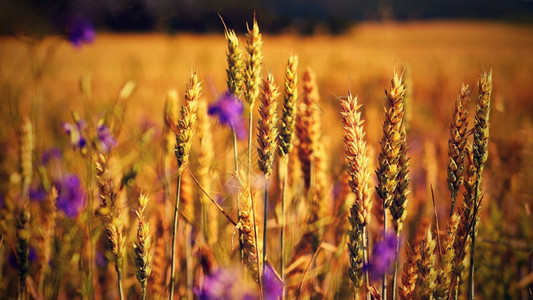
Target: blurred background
column 301, row 16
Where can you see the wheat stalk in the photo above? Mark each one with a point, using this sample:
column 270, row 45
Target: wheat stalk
column 186, row 128
column 361, row 185
column 113, row 227
column 267, row 137
column 391, row 152
column 286, row 136
column 480, row 154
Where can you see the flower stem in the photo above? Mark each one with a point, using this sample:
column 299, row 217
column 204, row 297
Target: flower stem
column 473, row 243
column 395, row 272
column 384, row 285
column 236, row 170
column 119, row 281
column 143, row 288
column 284, row 166
column 265, row 210
column 188, row 253
column 365, row 260
column 174, row 230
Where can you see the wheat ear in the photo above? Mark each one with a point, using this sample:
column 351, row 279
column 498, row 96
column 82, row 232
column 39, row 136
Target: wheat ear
column 186, row 128
column 457, row 143
column 22, row 248
column 446, row 271
column 143, row 246
column 26, row 157
column 308, row 124
column 361, row 184
column 267, row 137
column 235, row 68
column 427, row 274
column 246, row 230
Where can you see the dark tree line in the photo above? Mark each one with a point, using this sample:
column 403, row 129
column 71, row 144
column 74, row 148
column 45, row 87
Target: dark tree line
column 39, row 17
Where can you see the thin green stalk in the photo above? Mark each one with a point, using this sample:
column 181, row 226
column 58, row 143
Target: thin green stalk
column 22, row 291
column 265, row 231
column 236, row 170
column 174, row 230
column 384, row 285
column 235, row 152
column 119, row 281
column 395, row 272
column 365, row 260
column 473, row 243
column 188, row 253
column 143, row 288
column 284, row 162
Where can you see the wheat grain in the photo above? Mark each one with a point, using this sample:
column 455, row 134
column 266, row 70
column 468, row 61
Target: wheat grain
column 143, row 246
column 427, row 275
column 235, row 64
column 254, row 63
column 186, row 125
column 267, row 133
column 457, row 142
column 445, row 272
column 288, row 116
column 308, row 124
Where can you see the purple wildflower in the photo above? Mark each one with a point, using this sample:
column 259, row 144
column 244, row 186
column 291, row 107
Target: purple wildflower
column 70, row 196
column 224, row 284
column 229, row 110
column 273, row 284
column 37, row 193
column 80, row 31
column 101, row 260
column 383, row 256
column 75, row 131
column 105, row 141
column 49, row 154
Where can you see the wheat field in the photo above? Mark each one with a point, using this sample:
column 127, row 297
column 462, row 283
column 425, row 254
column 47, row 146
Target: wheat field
column 127, row 172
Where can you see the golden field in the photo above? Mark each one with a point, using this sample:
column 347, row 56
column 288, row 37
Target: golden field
column 435, row 58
